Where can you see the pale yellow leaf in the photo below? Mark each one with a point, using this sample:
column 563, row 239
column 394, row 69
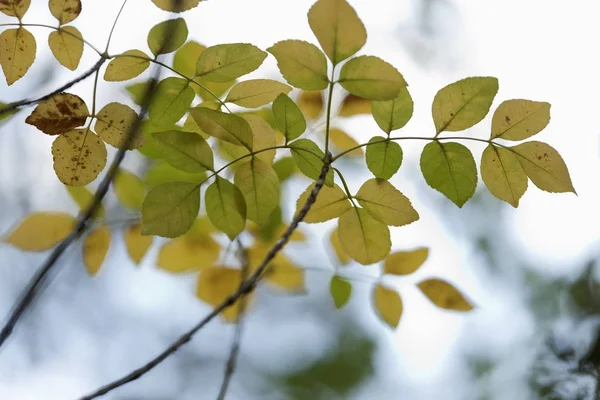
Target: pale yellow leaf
column 281, row 272
column 95, row 247
column 330, row 203
column 226, row 62
column 342, row 141
column 79, row 157
column 336, row 244
column 371, row 78
column 519, row 119
column 84, row 199
column 126, row 66
column 386, row 203
column 130, row 189
column 444, row 295
column 310, row 103
column 256, row 92
column 188, row 253
column 66, row 44
column 216, row 284
column 137, row 245
column 354, row 105
column 388, row 305
column 17, row 53
column 405, row 262
column 115, row 123
column 503, row 174
column 41, row 231
column 65, row 11
column 363, row 238
column 15, row 8
column 302, row 64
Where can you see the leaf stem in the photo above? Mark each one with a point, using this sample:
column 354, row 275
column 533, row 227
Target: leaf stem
column 113, row 26
column 328, row 116
column 348, row 193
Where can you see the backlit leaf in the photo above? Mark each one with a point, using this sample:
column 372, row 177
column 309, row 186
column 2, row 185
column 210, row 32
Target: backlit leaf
column 309, row 158
column 281, row 272
column 58, row 114
column 342, row 141
column 260, row 187
column 256, row 92
column 139, row 91
column 330, row 203
column 288, row 117
column 405, row 262
column 162, row 172
column 150, row 148
column 41, row 231
column 393, row 114
column 170, row 209
column 444, row 295
column 84, row 199
column 340, row 290
column 114, row 124
column 363, row 238
column 176, row 5
column 79, row 157
column 388, row 305
column 17, row 53
column 65, row 11
column 224, row 126
column 519, row 119
column 188, row 253
column 137, row 245
column 263, row 137
column 383, row 157
column 285, row 167
column 66, row 45
column 336, row 244
column 95, row 247
column 171, row 101
column 167, row 36
column 15, row 8
column 302, row 64
column 126, row 66
column 226, row 62
column 385, row 203
column 130, row 189
column 311, row 103
column 186, row 151
column 353, row 105
column 215, row 284
column 503, row 174
column 226, row 207
column 371, row 78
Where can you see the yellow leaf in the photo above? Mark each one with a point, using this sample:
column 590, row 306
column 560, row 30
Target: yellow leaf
column 340, row 290
column 371, row 78
column 224, row 126
column 503, row 174
column 226, row 62
column 188, row 253
column 263, row 137
column 385, row 203
column 15, row 8
column 176, row 5
column 342, row 141
column 79, row 157
column 41, row 231
column 405, row 262
column 519, row 119
column 336, row 244
column 167, row 36
column 260, row 187
column 84, row 199
column 216, row 284
column 338, row 29
column 130, row 189
column 330, row 203
column 311, row 103
column 393, row 114
column 444, row 295
column 67, row 46
column 65, row 11
column 363, row 238
column 383, row 157
column 126, row 66
column 95, row 247
column 170, row 101
column 170, row 209
column 288, row 117
column 137, row 244
column 388, row 305
column 302, row 64
column 185, row 151
column 281, row 272
column 59, row 114
column 353, row 105
column 114, row 124
column 256, row 92
column 17, row 53
column 226, row 207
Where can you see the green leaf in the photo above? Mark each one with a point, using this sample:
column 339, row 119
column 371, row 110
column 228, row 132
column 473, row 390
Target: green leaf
column 161, row 172
column 150, row 148
column 167, row 36
column 285, row 167
column 330, row 203
column 338, row 29
column 186, row 57
column 260, row 187
column 309, row 158
column 385, row 203
column 263, row 137
column 503, row 174
column 126, row 66
column 256, row 92
column 176, row 5
column 171, row 100
column 170, row 209
column 130, row 190
column 84, row 199
column 226, row 207
column 340, row 290
column 288, row 117
column 186, row 151
column 224, row 126
column 444, row 295
column 7, row 114
column 405, row 262
column 519, row 119
column 463, row 104
column 383, row 157
column 302, row 64
column 139, row 91
column 388, row 305
column 363, row 238
column 226, row 62
column 450, row 169
column 393, row 114
column 371, row 78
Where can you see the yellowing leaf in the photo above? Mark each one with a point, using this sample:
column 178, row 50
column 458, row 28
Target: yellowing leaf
column 58, row 114
column 188, row 253
column 226, row 62
column 388, row 305
column 186, row 151
column 130, row 189
column 342, row 141
column 519, row 119
column 385, row 203
column 353, row 105
column 464, row 103
column 383, row 157
column 444, row 295
column 126, row 66
column 405, row 262
column 224, row 126
column 336, row 244
column 162, row 172
column 544, row 166
column 137, row 245
column 84, row 199
column 309, row 158
column 288, row 117
column 302, row 64
column 79, row 157
column 340, row 290
column 260, row 187
column 330, row 203
column 263, row 137
column 256, row 92
column 66, row 44
column 503, row 174
column 95, row 247
column 17, row 53
column 281, row 272
column 393, row 114
column 41, row 231
column 371, row 78
column 176, row 5
column 171, row 101
column 311, row 103
column 338, row 29
column 115, row 123
column 450, row 169
column 65, row 11
column 15, row 8
column 170, row 209
column 216, row 284
column 363, row 238
column 226, row 207
column 167, row 36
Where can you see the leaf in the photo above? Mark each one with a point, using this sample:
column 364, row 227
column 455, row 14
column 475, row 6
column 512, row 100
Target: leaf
column 59, row 114
column 263, row 137
column 302, row 64
column 95, row 247
column 383, row 157
column 41, row 231
column 79, row 157
column 162, row 172
column 66, row 45
column 393, row 114
column 170, row 209
column 267, row 231
column 84, row 199
column 256, row 92
column 342, row 141
column 137, row 245
column 353, row 105
column 176, row 5
column 338, row 29
column 450, row 169
column 115, row 123
column 4, row 115
column 336, row 244
column 405, row 262
column 544, row 166
column 340, row 290
column 170, row 101
column 139, row 91
column 188, row 253
column 216, row 284
column 285, row 167
column 15, row 8
column 167, row 36
column 150, row 148
column 463, row 104
column 309, row 158
column 519, row 119
column 130, row 189
column 186, row 151
column 288, row 117
column 281, row 272
column 65, row 11
column 260, row 187
column 330, row 203
column 226, row 62
column 17, row 53
column 371, row 78
column 226, row 207
column 503, row 174
column 224, row 126
column 385, row 203
column 311, row 103
column 126, row 66
column 444, row 295
column 388, row 305
column 363, row 238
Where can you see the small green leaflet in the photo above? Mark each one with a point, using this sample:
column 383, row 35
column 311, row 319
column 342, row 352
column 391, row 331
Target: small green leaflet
column 170, row 209
column 260, row 187
column 226, row 207
column 167, row 36
column 393, row 114
column 309, row 158
column 340, row 290
column 383, row 157
column 186, row 151
column 224, row 126
column 170, row 102
column 288, row 117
